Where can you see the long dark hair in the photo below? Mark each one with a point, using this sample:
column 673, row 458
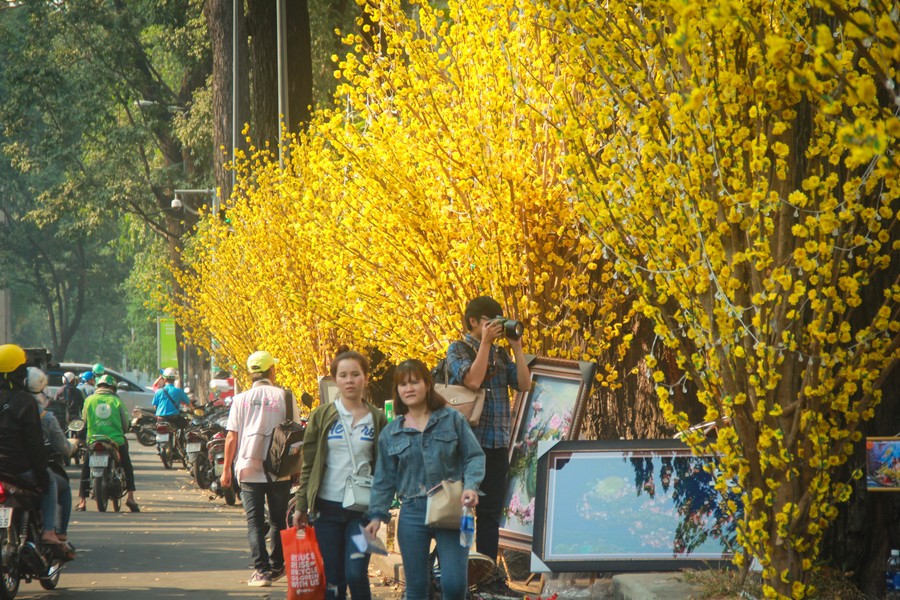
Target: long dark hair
column 416, row 368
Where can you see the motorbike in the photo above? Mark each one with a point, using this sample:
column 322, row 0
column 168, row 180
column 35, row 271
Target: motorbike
column 170, row 443
column 76, row 438
column 209, row 420
column 215, row 450
column 22, row 555
column 143, row 424
column 107, row 474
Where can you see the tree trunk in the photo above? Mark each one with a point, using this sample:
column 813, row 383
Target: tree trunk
column 262, row 31
column 632, row 411
column 868, row 525
column 299, row 65
column 220, row 23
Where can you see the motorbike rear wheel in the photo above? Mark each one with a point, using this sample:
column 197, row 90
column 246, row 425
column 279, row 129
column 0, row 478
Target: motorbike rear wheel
column 51, row 582
column 101, row 493
column 9, row 562
column 200, row 469
column 165, row 454
column 146, row 437
column 230, row 498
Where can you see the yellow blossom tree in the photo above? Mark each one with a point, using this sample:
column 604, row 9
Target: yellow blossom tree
column 738, row 161
column 431, row 185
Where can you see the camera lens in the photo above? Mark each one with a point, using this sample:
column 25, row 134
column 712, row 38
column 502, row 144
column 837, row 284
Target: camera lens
column 513, row 329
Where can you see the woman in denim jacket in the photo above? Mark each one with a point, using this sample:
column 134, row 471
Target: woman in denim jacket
column 427, row 443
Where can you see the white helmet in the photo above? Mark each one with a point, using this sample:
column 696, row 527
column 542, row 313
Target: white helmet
column 170, row 373
column 35, row 380
column 69, row 377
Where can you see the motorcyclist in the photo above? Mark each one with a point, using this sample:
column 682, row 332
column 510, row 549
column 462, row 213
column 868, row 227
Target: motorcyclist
column 59, row 493
column 87, row 384
column 104, row 414
column 70, row 395
column 168, row 400
column 23, row 458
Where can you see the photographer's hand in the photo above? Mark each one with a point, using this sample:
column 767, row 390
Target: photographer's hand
column 491, row 330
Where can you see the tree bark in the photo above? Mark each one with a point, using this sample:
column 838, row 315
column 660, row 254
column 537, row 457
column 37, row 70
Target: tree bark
column 299, row 65
column 220, row 23
column 262, row 32
column 632, row 411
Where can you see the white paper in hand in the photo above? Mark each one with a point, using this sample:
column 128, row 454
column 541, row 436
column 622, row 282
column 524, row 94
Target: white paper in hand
column 367, row 544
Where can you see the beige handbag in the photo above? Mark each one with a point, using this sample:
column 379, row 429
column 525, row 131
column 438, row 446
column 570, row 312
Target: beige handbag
column 444, row 506
column 470, row 403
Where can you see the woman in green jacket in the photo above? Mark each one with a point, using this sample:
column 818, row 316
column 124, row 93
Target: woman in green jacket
column 341, row 439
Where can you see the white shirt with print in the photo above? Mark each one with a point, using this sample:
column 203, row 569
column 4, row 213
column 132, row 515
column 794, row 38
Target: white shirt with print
column 338, row 465
column 254, row 414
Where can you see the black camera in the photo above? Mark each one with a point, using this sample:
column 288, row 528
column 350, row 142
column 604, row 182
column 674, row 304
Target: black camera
column 512, row 329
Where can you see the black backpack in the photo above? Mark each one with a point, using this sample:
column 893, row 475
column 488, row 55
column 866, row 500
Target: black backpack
column 283, row 457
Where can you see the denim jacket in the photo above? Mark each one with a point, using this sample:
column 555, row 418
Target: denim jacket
column 411, row 462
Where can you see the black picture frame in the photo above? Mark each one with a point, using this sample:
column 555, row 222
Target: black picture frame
column 551, row 409
column 608, row 513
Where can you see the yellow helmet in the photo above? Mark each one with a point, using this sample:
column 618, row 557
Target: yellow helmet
column 11, row 358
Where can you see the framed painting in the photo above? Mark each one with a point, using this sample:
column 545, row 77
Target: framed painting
column 883, row 464
column 328, row 390
column 551, row 410
column 630, row 505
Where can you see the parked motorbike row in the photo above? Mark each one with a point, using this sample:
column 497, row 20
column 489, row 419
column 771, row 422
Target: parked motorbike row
column 199, row 447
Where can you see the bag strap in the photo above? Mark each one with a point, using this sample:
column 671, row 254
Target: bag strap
column 288, row 404
column 175, row 406
column 347, row 439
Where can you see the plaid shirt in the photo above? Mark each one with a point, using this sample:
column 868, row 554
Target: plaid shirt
column 495, row 424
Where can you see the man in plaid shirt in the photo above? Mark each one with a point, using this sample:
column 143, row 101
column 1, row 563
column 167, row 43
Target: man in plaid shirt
column 476, row 362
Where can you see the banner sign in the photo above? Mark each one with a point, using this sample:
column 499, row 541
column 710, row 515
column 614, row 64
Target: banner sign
column 166, row 346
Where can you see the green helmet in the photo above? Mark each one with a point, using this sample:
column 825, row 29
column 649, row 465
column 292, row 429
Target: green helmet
column 98, row 369
column 106, row 380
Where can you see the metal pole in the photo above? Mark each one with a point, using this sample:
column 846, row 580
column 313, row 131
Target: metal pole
column 235, row 131
column 283, row 116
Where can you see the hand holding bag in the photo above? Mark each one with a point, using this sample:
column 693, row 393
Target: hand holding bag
column 444, row 506
column 303, row 564
column 358, row 488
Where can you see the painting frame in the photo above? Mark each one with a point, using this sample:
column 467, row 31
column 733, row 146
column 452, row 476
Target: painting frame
column 545, row 559
column 559, row 419
column 328, row 390
column 881, row 476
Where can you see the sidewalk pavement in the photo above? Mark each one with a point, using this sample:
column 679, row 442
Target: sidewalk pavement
column 567, row 586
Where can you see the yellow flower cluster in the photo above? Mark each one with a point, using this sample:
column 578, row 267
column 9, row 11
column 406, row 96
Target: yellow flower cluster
column 432, row 184
column 728, row 165
column 738, row 160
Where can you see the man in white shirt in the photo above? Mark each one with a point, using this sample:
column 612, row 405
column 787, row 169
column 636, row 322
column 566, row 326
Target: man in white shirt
column 253, row 416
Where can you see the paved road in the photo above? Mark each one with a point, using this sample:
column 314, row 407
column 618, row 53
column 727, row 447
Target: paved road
column 181, row 544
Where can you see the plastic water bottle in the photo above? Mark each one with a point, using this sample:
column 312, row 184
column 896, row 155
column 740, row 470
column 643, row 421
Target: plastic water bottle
column 467, row 527
column 892, row 576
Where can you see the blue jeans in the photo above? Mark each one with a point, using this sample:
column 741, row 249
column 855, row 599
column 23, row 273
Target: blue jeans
column 255, row 496
column 414, row 537
column 48, row 503
column 64, row 501
column 334, row 526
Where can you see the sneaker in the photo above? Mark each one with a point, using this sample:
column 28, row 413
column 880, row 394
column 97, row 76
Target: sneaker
column 259, row 579
column 276, row 574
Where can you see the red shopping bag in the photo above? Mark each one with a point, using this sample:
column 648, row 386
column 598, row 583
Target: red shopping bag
column 303, row 564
